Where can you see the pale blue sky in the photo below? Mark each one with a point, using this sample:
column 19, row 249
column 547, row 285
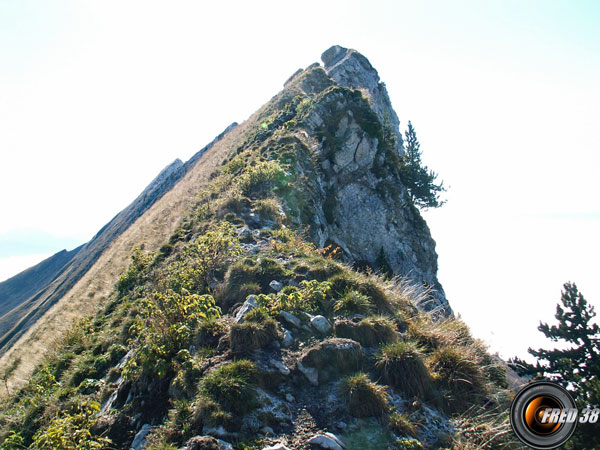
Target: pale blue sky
column 97, row 97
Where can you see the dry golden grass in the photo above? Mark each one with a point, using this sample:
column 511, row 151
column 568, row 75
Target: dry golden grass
column 152, row 229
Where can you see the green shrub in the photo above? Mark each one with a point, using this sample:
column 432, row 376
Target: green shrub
column 353, row 302
column 200, row 261
column 139, row 264
column 232, row 386
column 207, row 412
column 71, row 430
column 261, row 177
column 364, row 397
column 167, row 326
column 310, row 297
column 401, row 365
column 209, row 332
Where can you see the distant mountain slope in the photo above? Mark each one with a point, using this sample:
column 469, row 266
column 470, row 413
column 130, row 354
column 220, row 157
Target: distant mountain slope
column 88, row 280
column 28, row 282
column 27, row 296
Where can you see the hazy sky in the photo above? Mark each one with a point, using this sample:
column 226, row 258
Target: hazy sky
column 97, row 97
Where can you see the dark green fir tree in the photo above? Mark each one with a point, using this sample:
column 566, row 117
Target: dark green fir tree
column 419, row 179
column 576, row 364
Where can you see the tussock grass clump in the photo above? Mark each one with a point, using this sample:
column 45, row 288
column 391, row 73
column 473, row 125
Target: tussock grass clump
column 401, row 365
column 208, row 412
column 249, row 277
column 370, row 331
column 485, row 428
column 255, row 332
column 209, row 332
column 433, row 334
column 353, row 302
column 322, row 269
column 343, row 355
column 365, row 398
column 268, row 209
column 458, row 371
column 231, row 386
column 370, row 286
column 401, row 424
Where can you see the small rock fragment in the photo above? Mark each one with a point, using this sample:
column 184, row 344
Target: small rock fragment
column 290, row 318
column 288, row 339
column 140, row 438
column 277, row 447
column 310, row 373
column 276, row 285
column 321, row 324
column 250, row 304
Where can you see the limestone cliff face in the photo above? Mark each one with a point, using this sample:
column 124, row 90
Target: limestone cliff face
column 359, row 202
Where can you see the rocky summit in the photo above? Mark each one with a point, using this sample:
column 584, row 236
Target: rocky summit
column 280, row 293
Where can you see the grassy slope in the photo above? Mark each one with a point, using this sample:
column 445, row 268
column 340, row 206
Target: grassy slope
column 190, row 368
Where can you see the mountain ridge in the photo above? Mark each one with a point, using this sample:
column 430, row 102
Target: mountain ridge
column 265, row 300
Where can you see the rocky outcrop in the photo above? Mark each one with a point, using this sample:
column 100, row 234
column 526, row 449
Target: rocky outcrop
column 359, row 201
column 351, row 69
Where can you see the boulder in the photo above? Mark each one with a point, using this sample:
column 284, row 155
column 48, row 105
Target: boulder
column 321, row 324
column 327, row 440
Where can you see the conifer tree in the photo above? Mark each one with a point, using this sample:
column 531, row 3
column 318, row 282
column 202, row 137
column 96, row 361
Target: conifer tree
column 419, row 179
column 576, row 367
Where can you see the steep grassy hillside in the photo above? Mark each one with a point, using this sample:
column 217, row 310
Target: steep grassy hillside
column 274, row 313
column 27, row 296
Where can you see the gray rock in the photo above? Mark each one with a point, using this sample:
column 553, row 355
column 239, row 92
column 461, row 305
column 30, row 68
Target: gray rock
column 351, row 69
column 218, row 431
column 321, row 324
column 327, row 440
column 267, row 430
column 288, row 339
column 276, row 447
column 250, row 304
column 243, row 232
column 276, row 285
column 280, row 366
column 311, row 374
column 341, row 425
column 290, row 318
column 290, row 398
column 140, row 438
